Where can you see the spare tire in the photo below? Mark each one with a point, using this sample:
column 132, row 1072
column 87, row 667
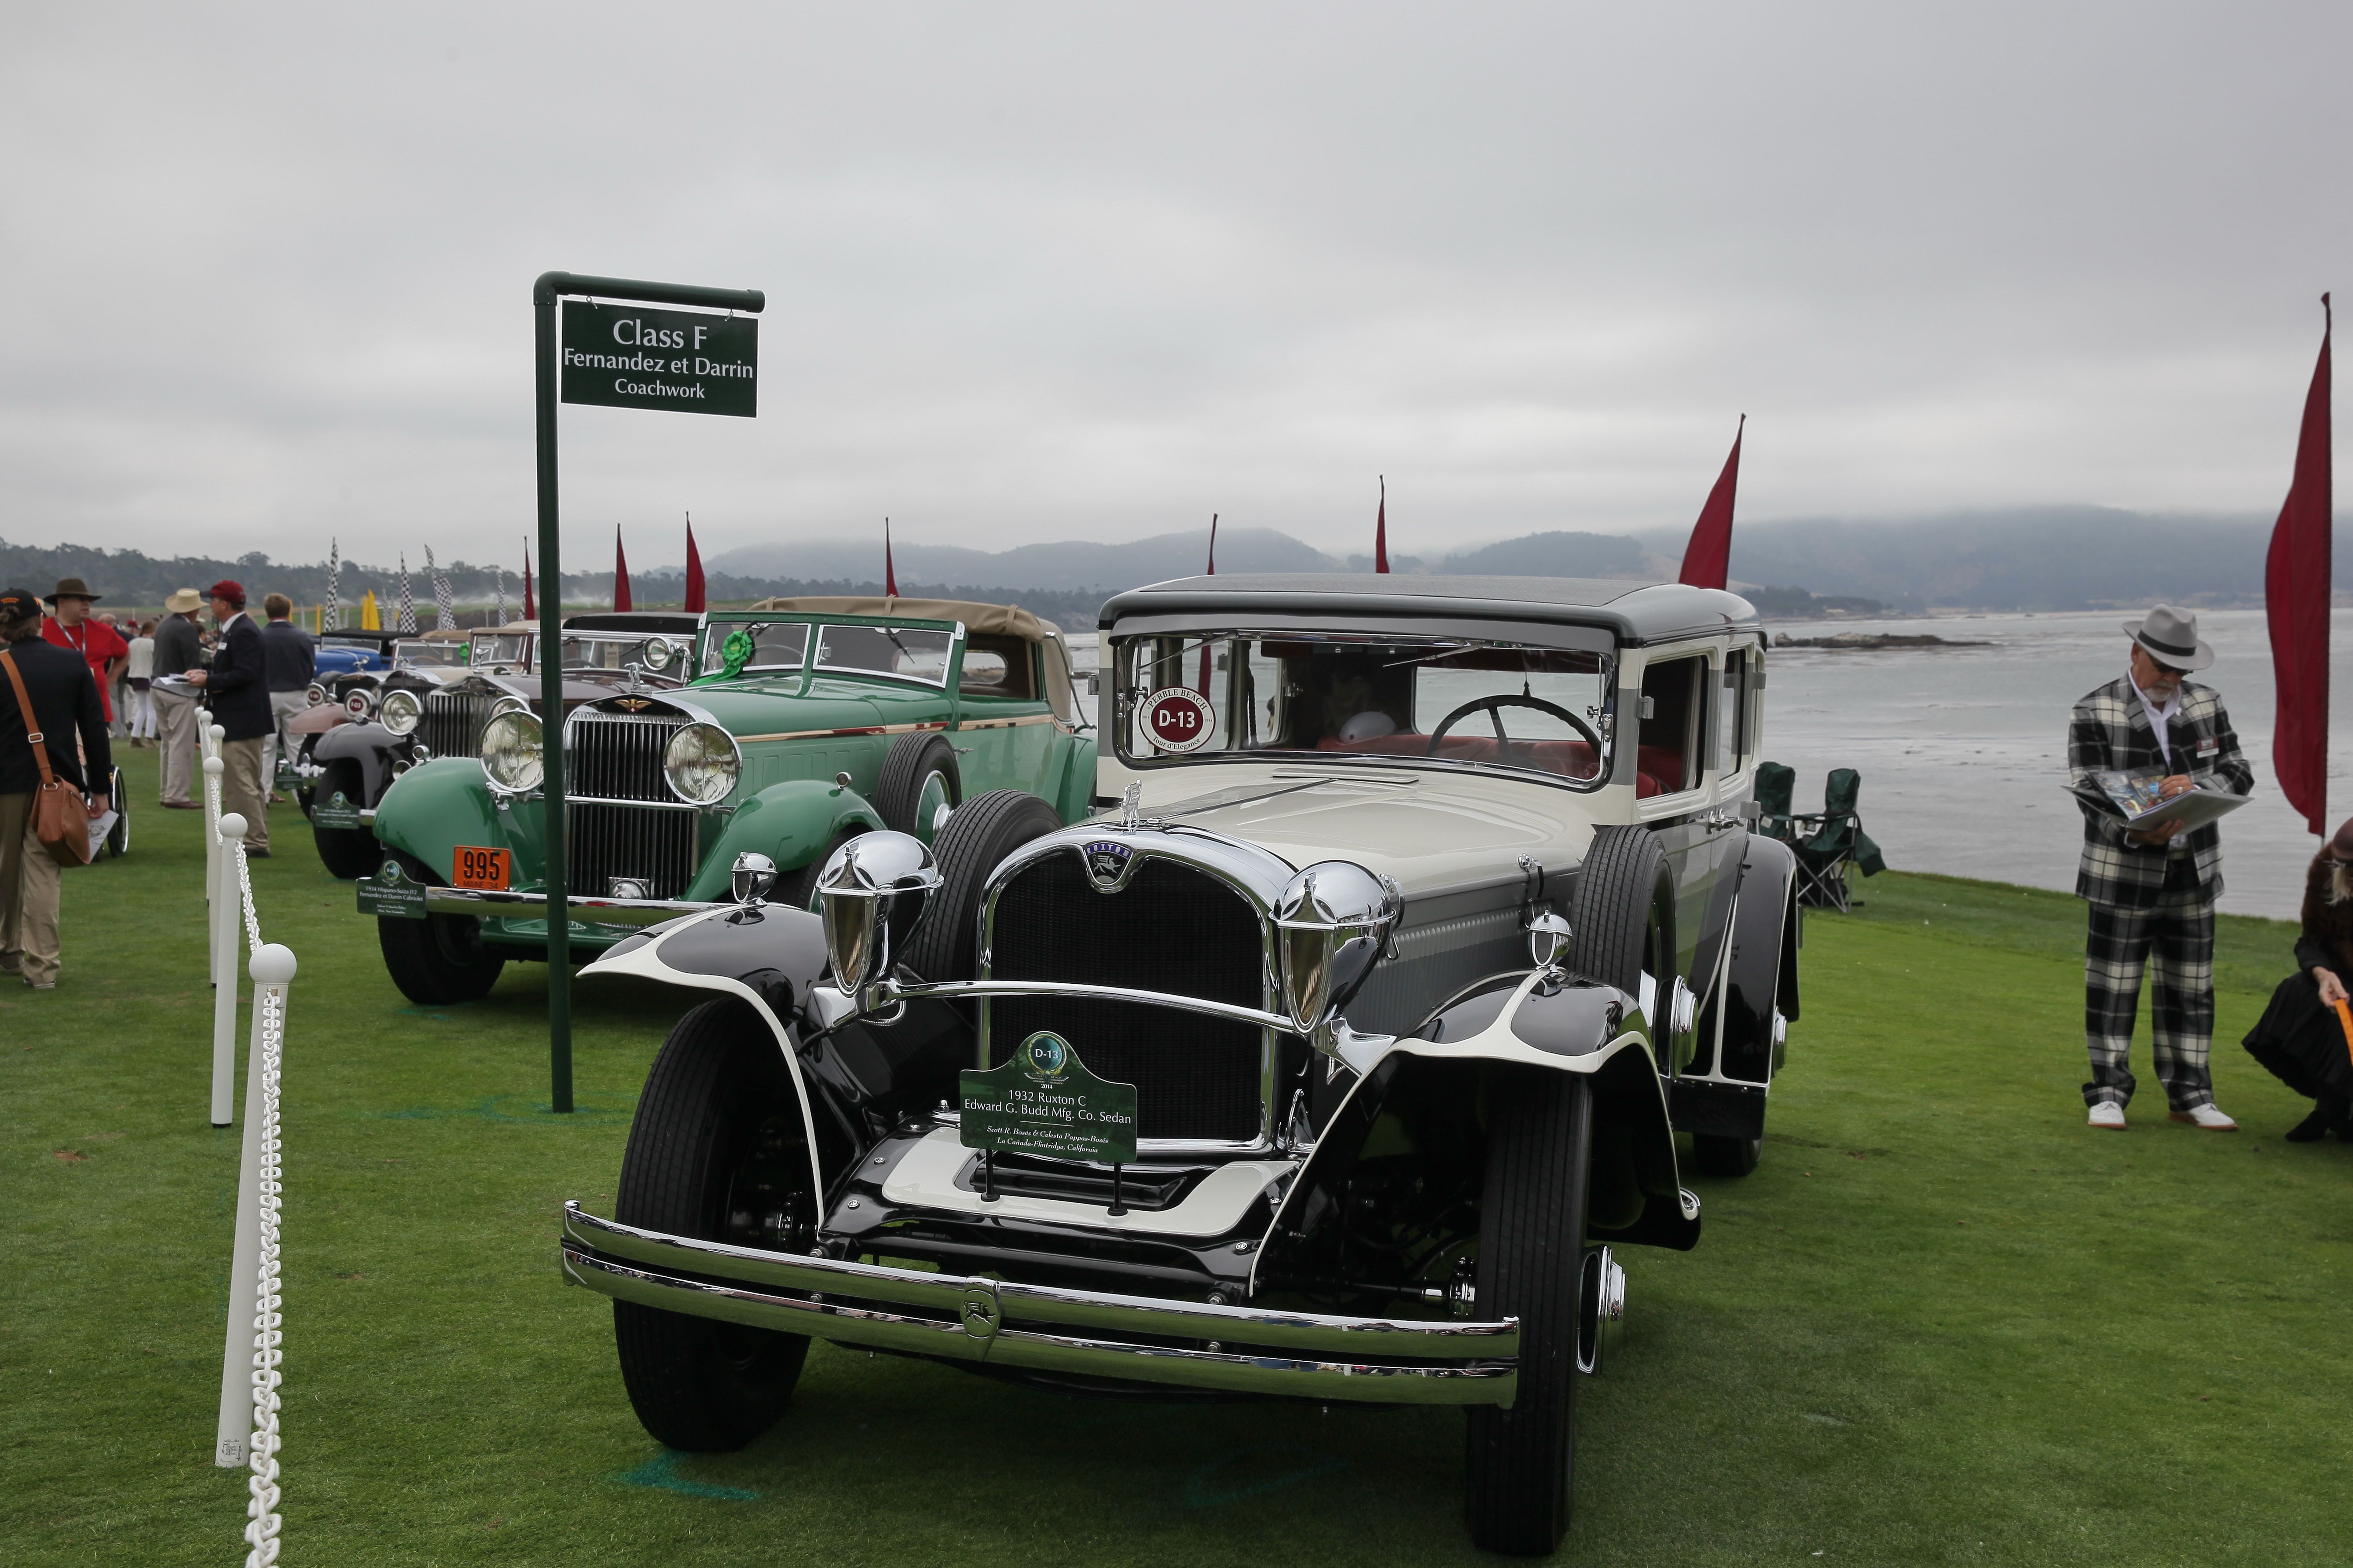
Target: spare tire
column 981, row 833
column 1621, row 916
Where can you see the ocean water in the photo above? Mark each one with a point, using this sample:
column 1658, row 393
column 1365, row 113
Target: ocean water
column 1963, row 751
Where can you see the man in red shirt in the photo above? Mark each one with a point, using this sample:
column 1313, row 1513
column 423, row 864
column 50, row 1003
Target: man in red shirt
column 100, row 644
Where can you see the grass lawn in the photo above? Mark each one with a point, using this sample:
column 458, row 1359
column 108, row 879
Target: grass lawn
column 1942, row 1323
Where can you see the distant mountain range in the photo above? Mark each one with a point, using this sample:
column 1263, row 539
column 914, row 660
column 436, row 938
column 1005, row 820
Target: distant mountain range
column 2027, row 558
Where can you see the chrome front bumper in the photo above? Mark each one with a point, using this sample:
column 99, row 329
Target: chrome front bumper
column 491, row 906
column 1241, row 1350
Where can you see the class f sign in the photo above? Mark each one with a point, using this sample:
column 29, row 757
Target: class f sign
column 688, row 362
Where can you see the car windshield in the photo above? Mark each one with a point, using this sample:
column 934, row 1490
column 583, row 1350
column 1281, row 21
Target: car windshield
column 365, row 644
column 1546, row 710
column 775, row 645
column 606, row 650
column 439, row 655
column 911, row 653
column 501, row 647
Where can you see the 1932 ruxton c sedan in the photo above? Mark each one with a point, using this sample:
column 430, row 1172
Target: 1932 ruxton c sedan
column 1338, row 1057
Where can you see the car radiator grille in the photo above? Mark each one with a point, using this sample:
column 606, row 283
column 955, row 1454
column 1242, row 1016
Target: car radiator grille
column 612, row 759
column 1172, row 929
column 453, row 723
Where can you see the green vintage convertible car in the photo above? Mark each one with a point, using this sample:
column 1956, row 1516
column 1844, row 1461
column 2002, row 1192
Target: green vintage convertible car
column 810, row 721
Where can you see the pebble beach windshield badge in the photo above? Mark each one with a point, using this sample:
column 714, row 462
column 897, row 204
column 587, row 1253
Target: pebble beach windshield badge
column 1043, row 1101
column 687, row 362
column 1179, row 719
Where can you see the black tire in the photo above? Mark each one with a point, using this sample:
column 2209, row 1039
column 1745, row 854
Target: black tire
column 710, row 1127
column 984, row 831
column 797, row 887
column 1719, row 1156
column 1519, row 1471
column 918, row 764
column 1622, row 906
column 347, row 853
column 440, row 960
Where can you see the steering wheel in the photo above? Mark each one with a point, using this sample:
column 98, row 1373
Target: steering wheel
column 1494, row 707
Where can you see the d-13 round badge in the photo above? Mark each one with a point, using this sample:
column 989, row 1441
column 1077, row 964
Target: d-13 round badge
column 1108, row 864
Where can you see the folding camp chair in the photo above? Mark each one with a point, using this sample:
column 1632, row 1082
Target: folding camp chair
column 1776, row 781
column 1836, row 840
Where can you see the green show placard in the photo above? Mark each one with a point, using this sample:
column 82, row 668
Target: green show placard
column 391, row 892
column 335, row 811
column 1043, row 1101
column 686, row 361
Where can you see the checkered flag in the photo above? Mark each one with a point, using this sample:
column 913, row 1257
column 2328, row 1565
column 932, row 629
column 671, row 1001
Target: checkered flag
column 443, row 614
column 333, row 620
column 499, row 578
column 404, row 622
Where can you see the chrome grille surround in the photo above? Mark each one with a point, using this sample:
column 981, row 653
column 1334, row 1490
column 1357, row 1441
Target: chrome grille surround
column 1253, row 874
column 620, row 818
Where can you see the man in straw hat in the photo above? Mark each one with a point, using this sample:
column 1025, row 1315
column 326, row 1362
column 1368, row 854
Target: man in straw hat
column 2152, row 893
column 178, row 649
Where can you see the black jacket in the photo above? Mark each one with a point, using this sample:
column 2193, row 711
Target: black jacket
column 288, row 652
column 64, row 702
column 177, row 649
column 237, row 683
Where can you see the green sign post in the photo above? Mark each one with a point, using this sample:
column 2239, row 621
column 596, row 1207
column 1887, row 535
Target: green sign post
column 662, row 375
column 1043, row 1101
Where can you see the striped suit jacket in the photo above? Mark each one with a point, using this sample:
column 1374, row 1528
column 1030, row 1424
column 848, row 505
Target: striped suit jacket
column 2110, row 730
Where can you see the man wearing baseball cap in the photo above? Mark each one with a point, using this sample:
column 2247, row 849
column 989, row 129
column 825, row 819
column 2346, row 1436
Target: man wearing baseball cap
column 238, row 682
column 2152, row 893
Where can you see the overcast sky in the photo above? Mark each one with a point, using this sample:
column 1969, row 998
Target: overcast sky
column 1040, row 272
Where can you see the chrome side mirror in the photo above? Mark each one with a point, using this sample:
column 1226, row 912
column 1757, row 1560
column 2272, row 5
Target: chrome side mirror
column 872, row 893
column 1334, row 919
column 1548, row 935
column 752, row 875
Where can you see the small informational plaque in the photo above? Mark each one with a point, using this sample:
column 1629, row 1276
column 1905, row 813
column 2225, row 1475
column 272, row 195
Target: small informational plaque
column 682, row 362
column 1179, row 719
column 391, row 891
column 335, row 811
column 1043, row 1101
column 485, row 869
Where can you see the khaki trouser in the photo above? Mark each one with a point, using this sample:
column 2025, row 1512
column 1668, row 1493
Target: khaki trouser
column 245, row 789
column 283, row 705
column 29, row 883
column 175, row 717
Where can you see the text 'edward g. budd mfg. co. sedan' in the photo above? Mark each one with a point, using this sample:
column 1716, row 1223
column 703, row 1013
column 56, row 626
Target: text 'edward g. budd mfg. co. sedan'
column 779, row 732
column 1338, row 1057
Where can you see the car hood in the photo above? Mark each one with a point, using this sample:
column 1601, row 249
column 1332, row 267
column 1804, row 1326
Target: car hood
column 1431, row 831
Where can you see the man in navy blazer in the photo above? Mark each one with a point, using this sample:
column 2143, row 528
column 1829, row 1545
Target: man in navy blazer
column 236, row 688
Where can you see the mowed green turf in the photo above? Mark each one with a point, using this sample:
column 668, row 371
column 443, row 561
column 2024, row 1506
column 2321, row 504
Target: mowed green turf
column 1942, row 1323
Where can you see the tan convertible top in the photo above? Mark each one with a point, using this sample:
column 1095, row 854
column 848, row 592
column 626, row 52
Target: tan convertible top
column 999, row 620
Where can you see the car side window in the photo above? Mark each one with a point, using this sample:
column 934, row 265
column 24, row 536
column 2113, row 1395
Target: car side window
column 997, row 667
column 1675, row 709
column 1732, row 727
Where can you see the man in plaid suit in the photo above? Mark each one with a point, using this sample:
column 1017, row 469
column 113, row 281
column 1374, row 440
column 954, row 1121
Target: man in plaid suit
column 2152, row 893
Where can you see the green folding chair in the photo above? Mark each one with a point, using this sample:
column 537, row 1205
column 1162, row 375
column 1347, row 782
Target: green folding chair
column 1834, row 840
column 1776, row 783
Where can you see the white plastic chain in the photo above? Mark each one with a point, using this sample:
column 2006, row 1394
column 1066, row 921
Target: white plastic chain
column 261, row 1454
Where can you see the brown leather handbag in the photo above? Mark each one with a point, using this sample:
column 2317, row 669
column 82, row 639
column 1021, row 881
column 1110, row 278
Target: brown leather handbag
column 60, row 820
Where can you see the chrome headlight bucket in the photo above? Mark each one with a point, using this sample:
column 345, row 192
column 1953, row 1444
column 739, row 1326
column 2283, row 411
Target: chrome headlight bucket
column 314, row 694
column 751, row 877
column 359, row 703
column 702, row 764
column 1334, row 919
column 656, row 654
column 401, row 712
column 872, row 893
column 514, row 753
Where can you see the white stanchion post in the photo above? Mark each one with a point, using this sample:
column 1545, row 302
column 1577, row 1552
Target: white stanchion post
column 272, row 969
column 228, row 901
column 208, row 758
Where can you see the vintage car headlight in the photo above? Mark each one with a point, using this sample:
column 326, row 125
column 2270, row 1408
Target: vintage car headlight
column 656, row 654
column 872, row 893
column 314, row 694
column 1334, row 919
column 701, row 764
column 359, row 702
column 401, row 712
column 514, row 755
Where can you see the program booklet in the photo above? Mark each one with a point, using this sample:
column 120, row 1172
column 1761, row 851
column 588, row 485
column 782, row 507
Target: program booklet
column 2135, row 796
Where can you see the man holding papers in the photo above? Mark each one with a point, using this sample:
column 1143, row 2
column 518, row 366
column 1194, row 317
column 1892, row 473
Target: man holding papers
column 2151, row 875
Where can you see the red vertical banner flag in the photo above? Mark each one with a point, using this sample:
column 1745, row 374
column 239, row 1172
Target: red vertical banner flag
column 530, row 609
column 1708, row 557
column 693, row 571
column 620, row 573
column 889, row 569
column 1381, row 530
column 2296, row 582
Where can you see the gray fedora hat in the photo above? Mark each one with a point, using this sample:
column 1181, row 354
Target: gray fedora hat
column 2170, row 636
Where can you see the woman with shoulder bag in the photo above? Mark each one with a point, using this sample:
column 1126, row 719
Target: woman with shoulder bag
column 45, row 693
column 2300, row 1037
